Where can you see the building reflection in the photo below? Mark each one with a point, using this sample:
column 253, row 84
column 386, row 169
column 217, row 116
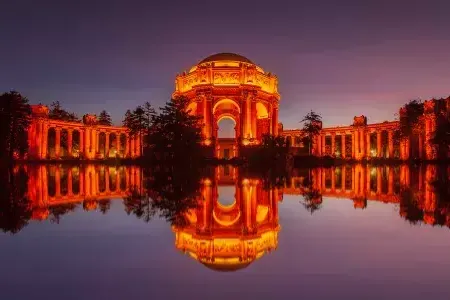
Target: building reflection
column 421, row 192
column 235, row 219
column 229, row 234
column 53, row 187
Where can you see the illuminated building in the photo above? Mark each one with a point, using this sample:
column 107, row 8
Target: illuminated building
column 363, row 141
column 228, row 85
column 118, row 142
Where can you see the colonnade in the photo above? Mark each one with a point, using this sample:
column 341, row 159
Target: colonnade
column 88, row 134
column 360, row 139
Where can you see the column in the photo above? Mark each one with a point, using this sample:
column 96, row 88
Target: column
column 324, row 149
column 391, row 144
column 107, row 144
column 353, row 144
column 343, row 170
column 118, row 145
column 275, row 120
column 94, row 142
column 97, row 141
column 356, row 133
column 87, row 143
column 368, row 145
column 127, row 145
column 379, row 147
column 404, row 149
column 362, row 143
column 58, row 142
column 253, row 120
column 206, row 118
column 333, row 144
column 138, row 145
column 132, row 147
column 343, row 145
column 44, row 141
column 69, row 141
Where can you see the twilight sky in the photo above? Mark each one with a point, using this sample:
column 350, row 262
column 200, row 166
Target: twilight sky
column 339, row 58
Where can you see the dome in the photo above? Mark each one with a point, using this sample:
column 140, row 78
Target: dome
column 226, row 57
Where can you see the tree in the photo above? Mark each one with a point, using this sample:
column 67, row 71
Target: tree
column 176, row 135
column 104, row 118
column 410, row 119
column 441, row 136
column 312, row 124
column 15, row 118
column 58, row 113
column 139, row 122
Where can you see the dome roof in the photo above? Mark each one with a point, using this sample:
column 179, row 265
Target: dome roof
column 226, row 56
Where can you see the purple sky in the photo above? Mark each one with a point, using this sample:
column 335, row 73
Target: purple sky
column 339, row 58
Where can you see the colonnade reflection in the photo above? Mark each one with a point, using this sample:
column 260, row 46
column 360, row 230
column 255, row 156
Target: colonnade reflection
column 235, row 217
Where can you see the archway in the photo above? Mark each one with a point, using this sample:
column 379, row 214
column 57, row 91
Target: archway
column 226, row 133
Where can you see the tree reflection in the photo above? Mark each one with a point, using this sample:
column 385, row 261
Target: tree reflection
column 104, row 205
column 15, row 207
column 139, row 204
column 410, row 205
column 57, row 211
column 312, row 197
column 169, row 191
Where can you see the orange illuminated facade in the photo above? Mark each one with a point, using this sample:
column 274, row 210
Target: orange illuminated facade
column 364, row 141
column 230, row 236
column 82, row 139
column 228, row 85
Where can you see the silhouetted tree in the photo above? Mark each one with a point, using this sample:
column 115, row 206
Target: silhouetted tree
column 139, row 122
column 175, row 135
column 15, row 114
column 58, row 113
column 312, row 124
column 441, row 136
column 104, row 118
column 410, row 122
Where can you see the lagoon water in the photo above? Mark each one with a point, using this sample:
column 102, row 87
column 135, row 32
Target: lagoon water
column 351, row 232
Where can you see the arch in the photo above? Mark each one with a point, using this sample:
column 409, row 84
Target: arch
column 227, row 103
column 226, row 116
column 261, row 111
column 102, row 144
column 76, row 139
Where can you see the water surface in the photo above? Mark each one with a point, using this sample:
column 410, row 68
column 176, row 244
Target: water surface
column 351, row 232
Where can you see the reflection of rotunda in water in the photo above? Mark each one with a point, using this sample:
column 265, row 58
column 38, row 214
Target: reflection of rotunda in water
column 235, row 223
